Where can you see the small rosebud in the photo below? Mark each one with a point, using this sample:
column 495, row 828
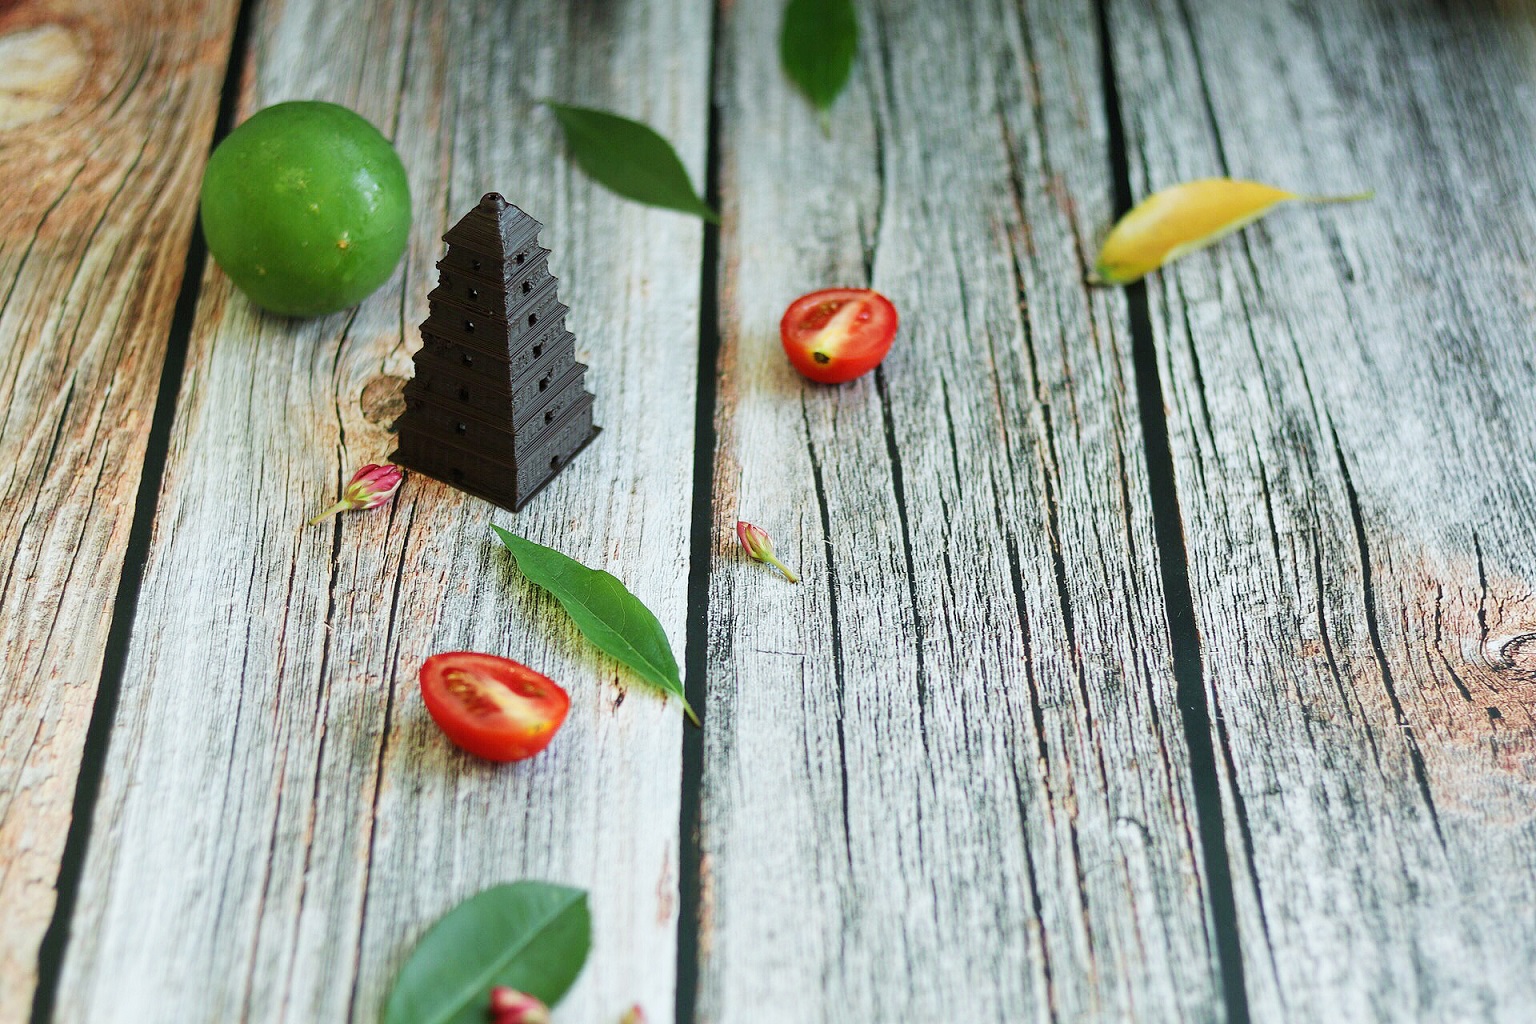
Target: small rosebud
column 369, row 487
column 509, row 1006
column 755, row 541
column 633, row 1015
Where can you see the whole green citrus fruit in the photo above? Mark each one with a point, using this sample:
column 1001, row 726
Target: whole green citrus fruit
column 306, row 207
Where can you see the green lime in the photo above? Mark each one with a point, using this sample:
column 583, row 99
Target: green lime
column 306, row 207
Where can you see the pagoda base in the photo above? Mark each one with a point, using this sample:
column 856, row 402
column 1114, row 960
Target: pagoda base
column 484, row 478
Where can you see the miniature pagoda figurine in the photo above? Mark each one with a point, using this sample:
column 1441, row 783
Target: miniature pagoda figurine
column 497, row 406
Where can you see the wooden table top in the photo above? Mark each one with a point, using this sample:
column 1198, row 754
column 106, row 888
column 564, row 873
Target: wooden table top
column 1163, row 654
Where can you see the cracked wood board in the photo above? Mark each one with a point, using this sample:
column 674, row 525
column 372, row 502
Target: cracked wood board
column 945, row 775
column 1349, row 395
column 106, row 112
column 280, row 820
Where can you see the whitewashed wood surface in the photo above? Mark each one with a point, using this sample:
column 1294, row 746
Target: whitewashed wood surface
column 106, row 112
column 280, row 820
column 945, row 778
column 963, row 771
column 1351, row 405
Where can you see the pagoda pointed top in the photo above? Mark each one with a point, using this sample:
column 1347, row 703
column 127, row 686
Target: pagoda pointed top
column 495, row 229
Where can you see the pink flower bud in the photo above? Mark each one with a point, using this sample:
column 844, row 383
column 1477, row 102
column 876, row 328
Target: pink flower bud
column 633, row 1015
column 509, row 1006
column 369, row 487
column 756, row 542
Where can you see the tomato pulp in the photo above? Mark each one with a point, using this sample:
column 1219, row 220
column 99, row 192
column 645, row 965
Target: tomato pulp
column 492, row 707
column 838, row 334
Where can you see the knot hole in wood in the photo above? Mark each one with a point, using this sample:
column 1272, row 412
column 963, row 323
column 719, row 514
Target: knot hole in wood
column 1515, row 654
column 41, row 68
column 383, row 400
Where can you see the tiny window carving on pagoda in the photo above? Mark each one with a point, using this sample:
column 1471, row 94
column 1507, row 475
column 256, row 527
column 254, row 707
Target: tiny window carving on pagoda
column 528, row 423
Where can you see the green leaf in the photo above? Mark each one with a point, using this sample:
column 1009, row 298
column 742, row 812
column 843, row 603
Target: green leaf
column 530, row 936
column 816, row 46
column 629, row 158
column 605, row 612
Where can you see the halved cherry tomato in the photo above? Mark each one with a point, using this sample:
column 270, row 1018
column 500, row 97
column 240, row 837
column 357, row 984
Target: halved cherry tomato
column 839, row 333
column 492, row 707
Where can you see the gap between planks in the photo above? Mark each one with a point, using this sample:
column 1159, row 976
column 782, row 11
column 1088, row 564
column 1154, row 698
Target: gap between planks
column 1194, row 698
column 701, row 543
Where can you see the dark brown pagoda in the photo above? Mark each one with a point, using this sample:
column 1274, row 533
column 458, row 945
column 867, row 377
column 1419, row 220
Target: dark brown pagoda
column 497, row 406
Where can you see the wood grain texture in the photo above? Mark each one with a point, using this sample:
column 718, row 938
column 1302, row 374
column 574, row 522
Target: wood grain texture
column 945, row 776
column 105, row 116
column 280, row 820
column 1349, row 392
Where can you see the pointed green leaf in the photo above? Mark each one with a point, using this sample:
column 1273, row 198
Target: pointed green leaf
column 604, row 610
column 629, row 158
column 816, row 46
column 530, row 936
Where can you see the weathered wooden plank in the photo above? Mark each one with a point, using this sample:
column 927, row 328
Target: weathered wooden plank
column 105, row 116
column 280, row 820
column 1349, row 394
column 945, row 776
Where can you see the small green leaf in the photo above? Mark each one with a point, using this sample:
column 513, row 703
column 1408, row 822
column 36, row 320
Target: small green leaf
column 816, row 46
column 530, row 936
column 629, row 158
column 604, row 610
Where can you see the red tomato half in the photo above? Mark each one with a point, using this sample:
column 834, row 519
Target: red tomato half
column 492, row 707
column 837, row 334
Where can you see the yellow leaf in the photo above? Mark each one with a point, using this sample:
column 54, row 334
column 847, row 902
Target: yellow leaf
column 1183, row 218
